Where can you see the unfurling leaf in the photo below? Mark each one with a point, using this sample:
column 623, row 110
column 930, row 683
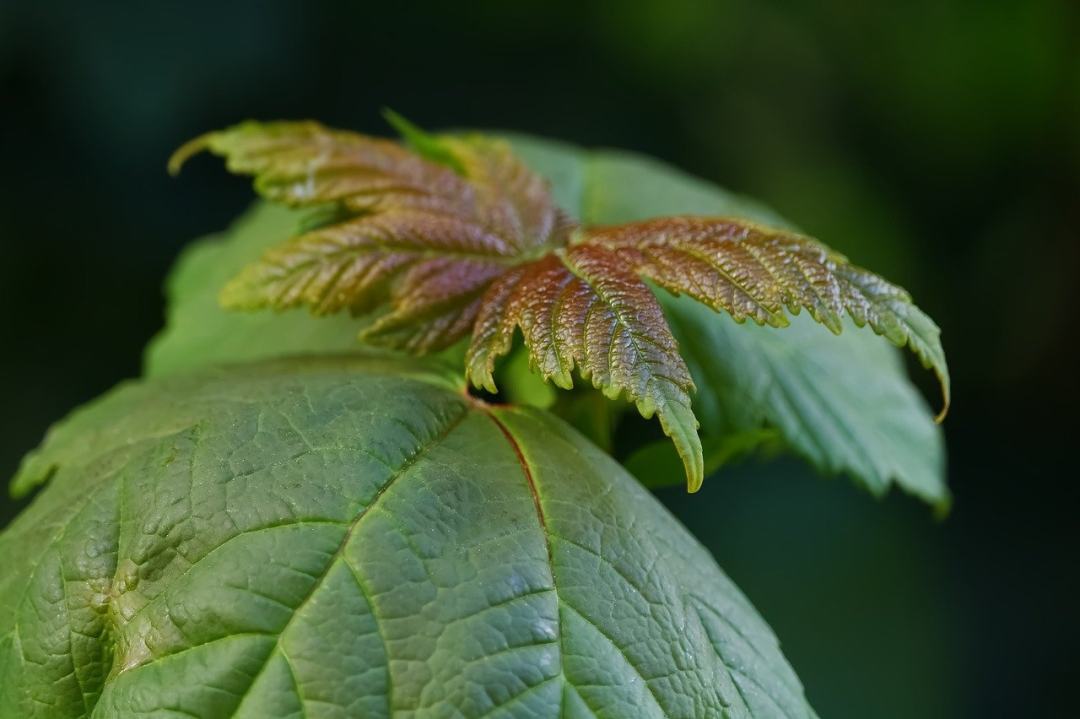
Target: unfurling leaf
column 582, row 308
column 457, row 237
column 756, row 272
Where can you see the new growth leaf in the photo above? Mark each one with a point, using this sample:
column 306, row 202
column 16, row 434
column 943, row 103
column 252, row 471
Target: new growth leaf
column 454, row 237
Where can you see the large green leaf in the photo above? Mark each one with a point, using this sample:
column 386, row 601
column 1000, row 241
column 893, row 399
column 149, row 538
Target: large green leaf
column 844, row 403
column 352, row 537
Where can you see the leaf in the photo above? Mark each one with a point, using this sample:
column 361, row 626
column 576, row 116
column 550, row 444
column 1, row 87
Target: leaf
column 583, row 309
column 522, row 386
column 522, row 207
column 755, row 272
column 435, row 255
column 327, row 537
column 199, row 333
column 843, row 403
column 422, row 143
column 303, row 164
column 349, row 266
column 403, row 221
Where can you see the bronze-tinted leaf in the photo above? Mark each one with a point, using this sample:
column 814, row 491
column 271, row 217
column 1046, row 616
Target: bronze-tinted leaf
column 752, row 271
column 583, row 309
column 520, row 206
column 457, row 235
column 351, row 265
column 409, row 238
column 434, row 304
column 516, row 201
column 304, row 163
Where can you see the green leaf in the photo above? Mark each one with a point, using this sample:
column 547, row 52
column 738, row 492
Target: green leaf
column 423, row 143
column 350, row 536
column 843, row 403
column 199, row 333
column 523, row 386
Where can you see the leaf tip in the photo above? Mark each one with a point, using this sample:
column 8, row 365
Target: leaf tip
column 399, row 122
column 935, row 361
column 694, row 479
column 481, row 377
column 946, row 400
column 680, row 424
column 942, row 508
column 835, row 325
column 423, row 143
column 188, row 150
column 35, row 470
column 693, row 458
column 563, row 379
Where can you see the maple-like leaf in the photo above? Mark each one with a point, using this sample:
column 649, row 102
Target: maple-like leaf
column 580, row 307
column 454, row 236
column 756, row 272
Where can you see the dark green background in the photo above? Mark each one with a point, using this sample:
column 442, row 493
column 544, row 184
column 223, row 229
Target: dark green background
column 935, row 141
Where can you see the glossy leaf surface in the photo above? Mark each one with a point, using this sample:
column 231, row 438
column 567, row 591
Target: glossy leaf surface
column 350, row 536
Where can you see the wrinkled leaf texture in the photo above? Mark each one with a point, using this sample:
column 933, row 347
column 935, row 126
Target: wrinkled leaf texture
column 441, row 252
column 842, row 402
column 352, row 536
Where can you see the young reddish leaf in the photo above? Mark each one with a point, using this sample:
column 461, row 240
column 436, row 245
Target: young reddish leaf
column 755, row 272
column 582, row 309
column 304, row 163
column 434, row 304
column 522, row 208
column 368, row 261
column 410, row 237
column 460, row 236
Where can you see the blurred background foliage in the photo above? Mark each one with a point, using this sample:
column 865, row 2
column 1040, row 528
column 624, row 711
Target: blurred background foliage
column 935, row 141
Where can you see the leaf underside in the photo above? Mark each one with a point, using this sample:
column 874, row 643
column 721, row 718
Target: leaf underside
column 460, row 239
